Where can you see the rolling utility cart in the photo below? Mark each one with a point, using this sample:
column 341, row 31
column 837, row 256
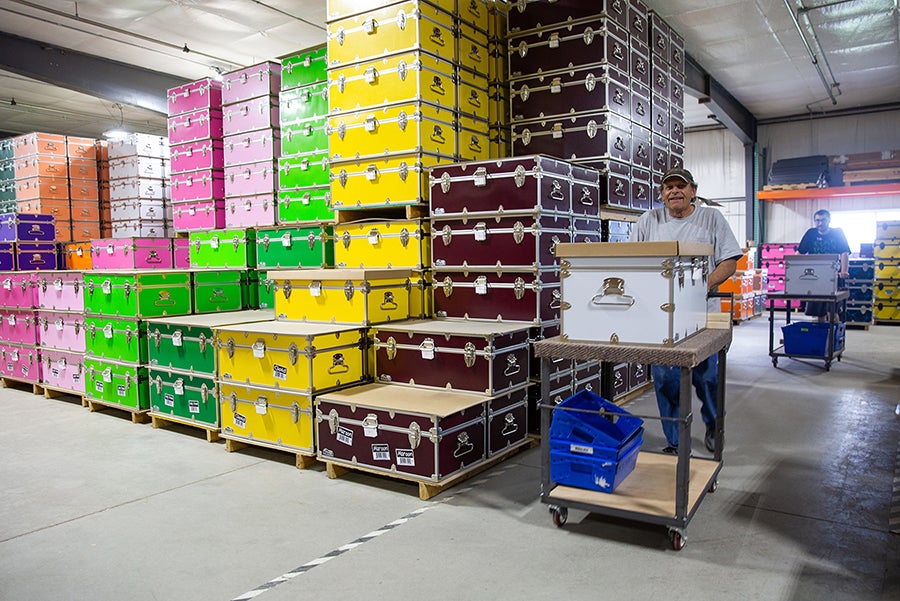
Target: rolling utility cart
column 662, row 489
column 809, row 339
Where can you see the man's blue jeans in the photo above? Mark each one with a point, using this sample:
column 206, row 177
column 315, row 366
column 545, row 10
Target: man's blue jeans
column 667, row 381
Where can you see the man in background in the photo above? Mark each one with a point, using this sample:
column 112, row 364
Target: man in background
column 824, row 240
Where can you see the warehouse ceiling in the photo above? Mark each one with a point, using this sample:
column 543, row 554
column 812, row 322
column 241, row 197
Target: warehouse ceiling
column 776, row 57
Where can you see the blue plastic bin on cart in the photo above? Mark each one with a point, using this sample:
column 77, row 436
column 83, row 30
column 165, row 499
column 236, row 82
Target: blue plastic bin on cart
column 809, row 338
column 589, row 449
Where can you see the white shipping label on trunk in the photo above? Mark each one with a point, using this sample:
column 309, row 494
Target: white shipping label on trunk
column 54, row 372
column 24, row 370
column 98, row 386
column 345, row 435
column 381, row 452
column 120, row 390
column 194, row 406
column 279, row 372
column 179, row 387
column 169, row 400
column 406, row 457
column 240, row 421
column 76, row 377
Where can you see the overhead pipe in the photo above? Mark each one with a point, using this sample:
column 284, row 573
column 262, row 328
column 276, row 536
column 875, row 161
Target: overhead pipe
column 809, row 50
column 805, row 10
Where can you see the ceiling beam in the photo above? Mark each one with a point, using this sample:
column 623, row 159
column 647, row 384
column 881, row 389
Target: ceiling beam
column 726, row 108
column 85, row 73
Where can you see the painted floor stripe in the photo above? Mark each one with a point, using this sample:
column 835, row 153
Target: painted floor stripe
column 356, row 543
column 894, row 523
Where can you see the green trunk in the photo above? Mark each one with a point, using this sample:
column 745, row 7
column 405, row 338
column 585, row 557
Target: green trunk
column 304, row 68
column 186, row 347
column 116, row 339
column 117, row 384
column 265, row 289
column 189, row 397
column 304, row 103
column 221, row 290
column 304, row 138
column 137, row 294
column 295, row 247
column 229, row 249
column 307, row 205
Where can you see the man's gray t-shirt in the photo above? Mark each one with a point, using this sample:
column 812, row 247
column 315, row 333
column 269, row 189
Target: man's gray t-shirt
column 703, row 225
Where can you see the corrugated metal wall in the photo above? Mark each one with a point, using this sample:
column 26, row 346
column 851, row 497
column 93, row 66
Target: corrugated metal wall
column 716, row 158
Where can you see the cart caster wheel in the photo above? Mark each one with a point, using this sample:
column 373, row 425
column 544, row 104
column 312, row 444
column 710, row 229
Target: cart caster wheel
column 714, row 485
column 559, row 515
column 678, row 539
column 775, row 362
column 828, row 366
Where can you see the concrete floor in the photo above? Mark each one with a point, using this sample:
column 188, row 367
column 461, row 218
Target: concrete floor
column 95, row 507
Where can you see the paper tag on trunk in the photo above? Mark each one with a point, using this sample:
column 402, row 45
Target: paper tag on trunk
column 240, row 421
column 98, row 386
column 345, row 435
column 194, row 406
column 279, row 372
column 54, row 372
column 178, row 386
column 108, row 331
column 169, row 400
column 381, row 452
column 120, row 390
column 76, row 377
column 24, row 370
column 176, row 338
column 405, row 457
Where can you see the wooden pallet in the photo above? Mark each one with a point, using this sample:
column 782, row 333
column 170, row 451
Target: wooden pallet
column 158, row 421
column 137, row 417
column 304, row 460
column 887, row 322
column 55, row 393
column 872, row 175
column 790, row 186
column 21, row 385
column 858, row 325
column 430, row 489
column 405, row 212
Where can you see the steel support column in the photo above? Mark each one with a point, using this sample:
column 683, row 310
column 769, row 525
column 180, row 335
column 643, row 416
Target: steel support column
column 85, row 73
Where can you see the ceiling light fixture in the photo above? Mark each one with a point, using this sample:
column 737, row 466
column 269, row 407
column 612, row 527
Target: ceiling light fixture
column 120, row 131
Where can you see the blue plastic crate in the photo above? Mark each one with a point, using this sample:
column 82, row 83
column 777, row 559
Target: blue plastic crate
column 588, row 426
column 809, row 338
column 584, row 471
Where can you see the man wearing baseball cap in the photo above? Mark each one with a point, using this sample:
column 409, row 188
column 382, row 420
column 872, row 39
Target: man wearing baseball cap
column 683, row 219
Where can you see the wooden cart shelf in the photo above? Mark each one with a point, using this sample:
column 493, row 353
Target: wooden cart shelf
column 650, row 488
